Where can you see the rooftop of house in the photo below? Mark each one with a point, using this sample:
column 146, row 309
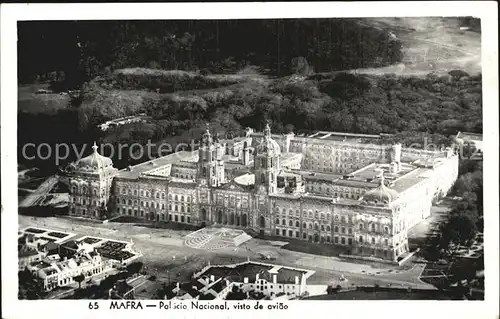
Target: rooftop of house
column 470, row 136
column 250, row 270
column 24, row 253
column 134, row 172
column 309, row 175
column 343, row 135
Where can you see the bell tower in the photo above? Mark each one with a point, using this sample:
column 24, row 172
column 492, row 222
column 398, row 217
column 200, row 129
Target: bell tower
column 210, row 164
column 267, row 163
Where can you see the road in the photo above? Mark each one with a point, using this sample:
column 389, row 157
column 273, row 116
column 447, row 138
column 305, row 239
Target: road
column 42, row 190
column 164, row 252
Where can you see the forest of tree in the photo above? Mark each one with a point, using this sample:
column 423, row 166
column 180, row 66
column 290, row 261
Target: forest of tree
column 413, row 109
column 80, row 50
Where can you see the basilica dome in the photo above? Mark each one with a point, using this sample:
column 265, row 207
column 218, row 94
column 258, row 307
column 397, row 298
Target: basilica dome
column 381, row 194
column 268, row 145
column 94, row 161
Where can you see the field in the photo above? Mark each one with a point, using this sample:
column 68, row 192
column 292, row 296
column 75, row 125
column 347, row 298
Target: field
column 30, row 102
column 431, row 44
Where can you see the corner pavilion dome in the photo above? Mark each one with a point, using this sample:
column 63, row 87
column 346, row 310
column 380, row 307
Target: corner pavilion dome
column 382, row 194
column 268, row 145
column 94, row 161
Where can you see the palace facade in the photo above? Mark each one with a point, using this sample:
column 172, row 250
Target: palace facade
column 334, row 188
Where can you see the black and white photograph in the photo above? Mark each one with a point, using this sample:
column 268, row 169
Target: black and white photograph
column 212, row 164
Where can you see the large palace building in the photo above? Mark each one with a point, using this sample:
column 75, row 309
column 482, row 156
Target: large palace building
column 334, row 188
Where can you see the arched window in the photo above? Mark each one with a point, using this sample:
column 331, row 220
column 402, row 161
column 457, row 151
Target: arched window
column 322, row 227
column 73, row 189
column 130, row 202
column 336, row 218
column 316, row 214
column 162, row 195
column 373, row 240
column 176, row 198
column 386, row 230
column 84, row 190
column 157, row 195
column 316, row 227
column 360, row 239
column 290, row 212
column 386, row 242
column 310, row 214
column 304, row 225
column 328, row 228
column 182, row 198
column 169, row 196
column 135, row 203
column 283, row 222
column 342, row 219
column 290, row 223
column 263, row 178
column 360, row 226
column 182, row 209
column 373, row 227
column 336, row 229
column 297, row 224
column 277, row 221
column 310, row 226
column 123, row 201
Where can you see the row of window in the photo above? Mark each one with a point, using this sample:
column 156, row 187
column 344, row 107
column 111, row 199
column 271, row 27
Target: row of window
column 337, row 240
column 175, row 208
column 85, row 191
column 84, row 202
column 311, row 188
column 157, row 195
column 323, row 216
column 162, row 216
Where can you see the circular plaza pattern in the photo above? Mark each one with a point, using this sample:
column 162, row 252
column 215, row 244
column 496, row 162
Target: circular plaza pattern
column 215, row 238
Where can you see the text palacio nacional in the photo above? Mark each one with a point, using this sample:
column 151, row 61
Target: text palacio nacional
column 328, row 187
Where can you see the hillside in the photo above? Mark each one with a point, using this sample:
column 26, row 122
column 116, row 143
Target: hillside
column 431, row 44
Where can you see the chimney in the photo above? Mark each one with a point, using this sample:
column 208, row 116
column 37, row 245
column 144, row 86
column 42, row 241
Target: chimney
column 275, row 278
column 212, row 278
column 256, row 277
column 296, row 280
column 245, row 280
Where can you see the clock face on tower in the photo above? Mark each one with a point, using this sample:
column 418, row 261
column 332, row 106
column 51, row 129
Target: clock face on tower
column 262, row 188
column 203, row 182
